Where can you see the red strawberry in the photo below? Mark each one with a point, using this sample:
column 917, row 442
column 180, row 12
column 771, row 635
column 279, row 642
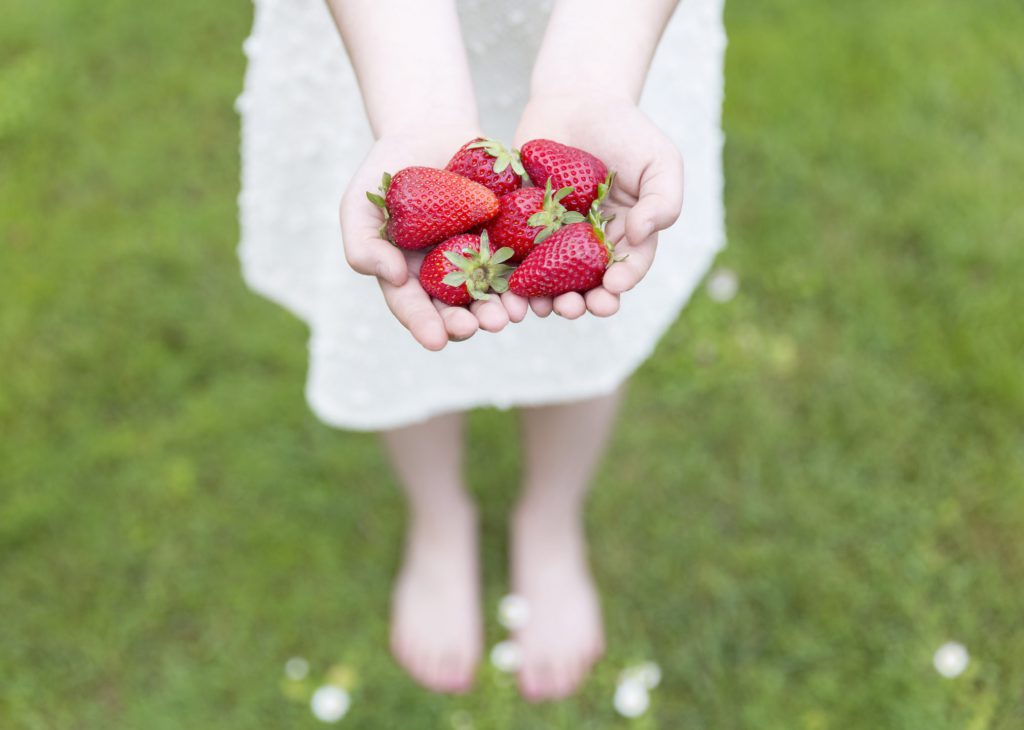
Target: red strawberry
column 423, row 206
column 528, row 216
column 566, row 167
column 571, row 259
column 490, row 163
column 463, row 268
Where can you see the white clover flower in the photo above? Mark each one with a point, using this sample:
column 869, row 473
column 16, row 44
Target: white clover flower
column 649, row 674
column 722, row 285
column 506, row 656
column 513, row 612
column 296, row 668
column 631, row 698
column 951, row 659
column 330, row 703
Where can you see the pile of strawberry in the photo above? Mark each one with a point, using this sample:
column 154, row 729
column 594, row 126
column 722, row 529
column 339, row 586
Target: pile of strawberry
column 481, row 221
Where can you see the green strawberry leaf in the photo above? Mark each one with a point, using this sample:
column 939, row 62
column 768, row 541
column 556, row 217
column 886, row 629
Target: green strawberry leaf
column 502, row 254
column 376, row 199
column 458, row 260
column 544, row 234
column 455, row 278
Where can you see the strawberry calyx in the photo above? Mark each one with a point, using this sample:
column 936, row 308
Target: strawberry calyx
column 553, row 215
column 603, row 188
column 503, row 156
column 597, row 220
column 380, row 202
column 481, row 271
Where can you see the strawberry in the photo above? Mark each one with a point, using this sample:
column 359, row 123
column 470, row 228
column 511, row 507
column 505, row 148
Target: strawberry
column 528, row 216
column 490, row 163
column 463, row 268
column 423, row 206
column 573, row 258
column 565, row 166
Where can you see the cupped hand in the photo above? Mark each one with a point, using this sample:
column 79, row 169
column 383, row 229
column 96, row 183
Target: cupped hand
column 432, row 323
column 647, row 196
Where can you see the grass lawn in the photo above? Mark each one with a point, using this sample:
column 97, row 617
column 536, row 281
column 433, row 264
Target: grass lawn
column 813, row 486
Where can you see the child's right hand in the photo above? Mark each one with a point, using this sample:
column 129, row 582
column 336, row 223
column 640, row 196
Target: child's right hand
column 432, row 323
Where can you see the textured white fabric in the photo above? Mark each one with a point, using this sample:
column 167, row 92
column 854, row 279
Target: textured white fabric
column 304, row 133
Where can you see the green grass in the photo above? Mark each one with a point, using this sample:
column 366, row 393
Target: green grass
column 813, row 487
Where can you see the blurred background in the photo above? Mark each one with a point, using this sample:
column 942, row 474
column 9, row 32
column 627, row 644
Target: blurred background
column 818, row 480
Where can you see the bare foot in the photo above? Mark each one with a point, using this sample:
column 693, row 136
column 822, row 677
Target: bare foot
column 436, row 631
column 564, row 634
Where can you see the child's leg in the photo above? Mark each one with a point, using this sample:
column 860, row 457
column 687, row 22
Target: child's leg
column 564, row 635
column 436, row 631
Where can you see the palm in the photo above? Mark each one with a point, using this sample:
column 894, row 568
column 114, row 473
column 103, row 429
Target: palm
column 430, row 322
column 645, row 198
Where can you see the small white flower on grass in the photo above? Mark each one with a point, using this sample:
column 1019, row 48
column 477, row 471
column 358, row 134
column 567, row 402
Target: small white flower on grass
column 329, row 703
column 506, row 656
column 723, row 284
column 296, row 668
column 648, row 674
column 513, row 612
column 631, row 698
column 951, row 659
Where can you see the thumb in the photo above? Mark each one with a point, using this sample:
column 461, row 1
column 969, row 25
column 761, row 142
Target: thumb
column 660, row 198
column 365, row 250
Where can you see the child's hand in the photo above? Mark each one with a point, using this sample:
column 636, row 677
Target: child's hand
column 646, row 198
column 432, row 323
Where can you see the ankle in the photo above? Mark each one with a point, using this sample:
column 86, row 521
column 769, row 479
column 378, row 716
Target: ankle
column 548, row 505
column 453, row 508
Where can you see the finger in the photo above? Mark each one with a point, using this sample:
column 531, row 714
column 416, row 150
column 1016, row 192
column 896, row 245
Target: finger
column 412, row 307
column 365, row 251
column 541, row 306
column 515, row 305
column 601, row 302
column 615, row 230
column 661, row 196
column 491, row 314
column 459, row 322
column 570, row 305
column 623, row 275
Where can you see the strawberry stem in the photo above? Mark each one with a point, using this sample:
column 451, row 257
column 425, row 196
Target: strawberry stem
column 381, row 202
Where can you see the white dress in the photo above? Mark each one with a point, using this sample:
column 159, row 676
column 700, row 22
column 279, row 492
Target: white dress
column 304, row 133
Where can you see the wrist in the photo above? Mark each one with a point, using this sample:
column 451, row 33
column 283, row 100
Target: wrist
column 426, row 117
column 580, row 99
column 439, row 122
column 604, row 90
column 434, row 127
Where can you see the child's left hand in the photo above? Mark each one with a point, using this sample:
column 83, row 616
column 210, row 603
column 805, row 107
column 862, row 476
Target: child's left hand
column 647, row 196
